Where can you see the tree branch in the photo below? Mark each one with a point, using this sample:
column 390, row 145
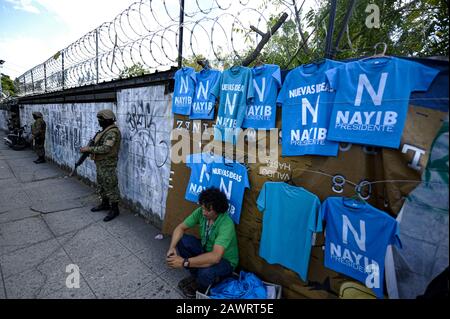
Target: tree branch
column 297, row 18
column 265, row 38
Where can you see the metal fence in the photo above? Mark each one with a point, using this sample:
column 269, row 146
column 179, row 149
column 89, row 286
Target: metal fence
column 154, row 35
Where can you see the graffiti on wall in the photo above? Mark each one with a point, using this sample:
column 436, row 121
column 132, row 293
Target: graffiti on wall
column 145, row 121
column 69, row 126
column 4, row 120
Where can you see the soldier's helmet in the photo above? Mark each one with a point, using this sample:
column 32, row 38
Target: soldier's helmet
column 106, row 115
column 38, row 114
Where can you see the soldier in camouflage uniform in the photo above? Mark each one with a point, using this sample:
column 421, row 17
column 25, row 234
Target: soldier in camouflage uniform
column 38, row 134
column 14, row 121
column 105, row 153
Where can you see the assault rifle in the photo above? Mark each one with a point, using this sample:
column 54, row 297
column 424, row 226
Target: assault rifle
column 83, row 156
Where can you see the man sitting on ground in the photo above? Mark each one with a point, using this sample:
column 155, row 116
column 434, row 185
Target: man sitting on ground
column 212, row 257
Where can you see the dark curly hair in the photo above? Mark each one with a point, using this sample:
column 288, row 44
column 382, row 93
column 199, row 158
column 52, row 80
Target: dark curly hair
column 215, row 199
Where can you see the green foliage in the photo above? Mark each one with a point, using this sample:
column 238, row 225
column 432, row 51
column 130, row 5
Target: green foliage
column 134, row 70
column 192, row 62
column 408, row 27
column 222, row 62
column 8, row 87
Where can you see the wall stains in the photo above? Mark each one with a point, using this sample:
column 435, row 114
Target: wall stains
column 148, row 122
column 145, row 120
column 4, row 120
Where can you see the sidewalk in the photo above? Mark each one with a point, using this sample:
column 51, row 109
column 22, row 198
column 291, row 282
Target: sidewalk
column 46, row 224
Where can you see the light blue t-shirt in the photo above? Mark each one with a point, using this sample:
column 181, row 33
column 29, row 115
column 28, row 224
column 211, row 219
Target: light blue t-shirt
column 235, row 90
column 183, row 92
column 199, row 164
column 204, row 102
column 232, row 179
column 261, row 114
column 306, row 101
column 372, row 97
column 356, row 238
column 289, row 221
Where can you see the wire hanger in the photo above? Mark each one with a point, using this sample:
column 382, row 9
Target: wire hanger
column 356, row 200
column 204, row 63
column 379, row 55
column 290, row 181
column 259, row 61
column 318, row 61
column 237, row 62
column 225, row 160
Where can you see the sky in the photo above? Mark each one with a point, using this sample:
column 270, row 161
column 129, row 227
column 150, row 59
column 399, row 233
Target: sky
column 31, row 31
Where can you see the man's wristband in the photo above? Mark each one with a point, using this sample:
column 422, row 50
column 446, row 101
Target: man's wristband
column 186, row 263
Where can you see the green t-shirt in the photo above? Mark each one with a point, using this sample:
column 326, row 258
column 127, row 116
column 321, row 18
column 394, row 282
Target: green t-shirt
column 222, row 233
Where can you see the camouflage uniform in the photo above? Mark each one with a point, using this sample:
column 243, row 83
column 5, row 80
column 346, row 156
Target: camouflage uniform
column 14, row 121
column 38, row 130
column 105, row 153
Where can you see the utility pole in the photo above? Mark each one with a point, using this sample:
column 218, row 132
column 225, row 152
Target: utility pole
column 180, row 35
column 330, row 31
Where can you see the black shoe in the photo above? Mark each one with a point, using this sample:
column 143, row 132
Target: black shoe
column 189, row 291
column 185, row 282
column 103, row 206
column 40, row 160
column 113, row 213
column 36, row 160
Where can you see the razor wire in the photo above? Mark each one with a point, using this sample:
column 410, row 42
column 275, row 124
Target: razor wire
column 146, row 34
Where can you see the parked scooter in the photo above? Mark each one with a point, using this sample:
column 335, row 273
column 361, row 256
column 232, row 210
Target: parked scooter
column 15, row 139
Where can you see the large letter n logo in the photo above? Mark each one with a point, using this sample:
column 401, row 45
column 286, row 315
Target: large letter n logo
column 361, row 239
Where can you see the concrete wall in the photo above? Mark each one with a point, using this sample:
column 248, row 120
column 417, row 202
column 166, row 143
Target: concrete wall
column 4, row 115
column 145, row 120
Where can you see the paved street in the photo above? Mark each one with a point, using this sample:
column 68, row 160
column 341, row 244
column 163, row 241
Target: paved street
column 46, row 224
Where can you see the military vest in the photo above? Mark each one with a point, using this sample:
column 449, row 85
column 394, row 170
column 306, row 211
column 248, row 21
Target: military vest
column 113, row 155
column 38, row 128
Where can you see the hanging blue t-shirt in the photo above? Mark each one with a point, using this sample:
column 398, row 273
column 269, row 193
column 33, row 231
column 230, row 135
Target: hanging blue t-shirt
column 204, row 102
column 232, row 179
column 235, row 90
column 183, row 92
column 289, row 221
column 356, row 238
column 306, row 101
column 372, row 98
column 261, row 114
column 199, row 164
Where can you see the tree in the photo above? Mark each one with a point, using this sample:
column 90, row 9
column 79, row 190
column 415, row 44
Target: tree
column 409, row 28
column 8, row 87
column 401, row 26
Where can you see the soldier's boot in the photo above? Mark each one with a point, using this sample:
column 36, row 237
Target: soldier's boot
column 40, row 160
column 103, row 206
column 37, row 160
column 113, row 213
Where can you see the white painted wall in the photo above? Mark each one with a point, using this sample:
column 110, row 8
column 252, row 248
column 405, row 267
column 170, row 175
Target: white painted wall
column 145, row 121
column 4, row 115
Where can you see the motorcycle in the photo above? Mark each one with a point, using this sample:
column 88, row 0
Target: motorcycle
column 15, row 139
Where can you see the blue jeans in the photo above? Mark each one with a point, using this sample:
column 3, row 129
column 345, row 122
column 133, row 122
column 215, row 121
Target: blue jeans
column 188, row 247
